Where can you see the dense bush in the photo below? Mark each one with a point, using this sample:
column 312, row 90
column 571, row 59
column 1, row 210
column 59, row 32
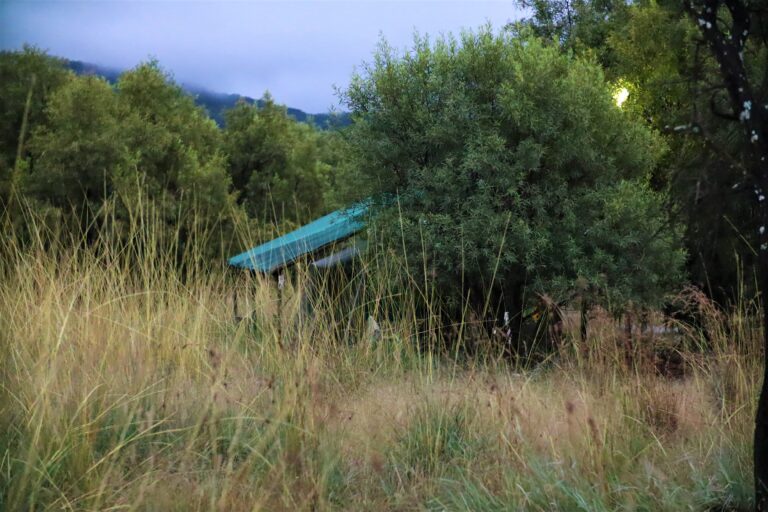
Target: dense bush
column 513, row 170
column 94, row 153
column 656, row 51
column 274, row 162
column 27, row 78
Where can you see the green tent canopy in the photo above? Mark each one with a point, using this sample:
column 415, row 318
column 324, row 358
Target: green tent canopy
column 284, row 250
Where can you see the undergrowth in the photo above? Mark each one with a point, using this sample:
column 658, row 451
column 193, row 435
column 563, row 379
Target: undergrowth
column 127, row 383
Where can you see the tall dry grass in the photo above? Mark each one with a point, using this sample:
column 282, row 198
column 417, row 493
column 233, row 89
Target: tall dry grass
column 127, row 384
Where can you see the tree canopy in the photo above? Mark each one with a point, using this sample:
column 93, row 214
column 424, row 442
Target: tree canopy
column 79, row 148
column 513, row 169
column 656, row 51
column 275, row 163
column 27, row 78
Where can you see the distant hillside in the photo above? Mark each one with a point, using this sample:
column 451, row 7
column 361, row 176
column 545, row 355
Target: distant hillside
column 215, row 102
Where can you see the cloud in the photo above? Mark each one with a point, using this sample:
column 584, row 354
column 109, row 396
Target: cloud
column 297, row 50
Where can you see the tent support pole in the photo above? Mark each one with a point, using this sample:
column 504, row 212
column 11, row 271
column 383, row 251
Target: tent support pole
column 280, row 285
column 352, row 310
column 234, row 303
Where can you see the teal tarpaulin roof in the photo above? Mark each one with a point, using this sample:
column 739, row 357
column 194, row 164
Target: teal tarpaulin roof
column 287, row 248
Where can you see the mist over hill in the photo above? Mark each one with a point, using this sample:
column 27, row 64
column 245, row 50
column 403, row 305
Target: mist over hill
column 216, row 102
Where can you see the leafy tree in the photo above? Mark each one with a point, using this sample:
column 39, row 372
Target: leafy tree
column 275, row 162
column 734, row 31
column 677, row 86
column 80, row 148
column 513, row 169
column 341, row 172
column 144, row 140
column 176, row 153
column 700, row 70
column 655, row 51
column 583, row 26
column 27, row 79
column 171, row 137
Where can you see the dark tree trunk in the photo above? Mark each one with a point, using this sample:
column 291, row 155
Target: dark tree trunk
column 761, row 418
column 726, row 37
column 234, row 303
column 629, row 349
column 583, row 321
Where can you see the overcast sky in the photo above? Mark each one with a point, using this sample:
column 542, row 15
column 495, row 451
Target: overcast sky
column 296, row 50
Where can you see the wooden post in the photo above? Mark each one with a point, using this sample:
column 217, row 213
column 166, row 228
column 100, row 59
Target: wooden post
column 234, row 303
column 280, row 286
column 629, row 351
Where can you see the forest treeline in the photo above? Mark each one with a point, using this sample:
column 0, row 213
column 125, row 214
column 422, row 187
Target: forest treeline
column 76, row 149
column 512, row 164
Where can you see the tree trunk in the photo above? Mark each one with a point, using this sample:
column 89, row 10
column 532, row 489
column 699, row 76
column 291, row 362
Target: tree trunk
column 726, row 38
column 761, row 418
column 583, row 322
column 629, row 349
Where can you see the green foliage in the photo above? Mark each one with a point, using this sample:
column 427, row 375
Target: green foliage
column 169, row 132
column 275, row 162
column 578, row 25
column 631, row 248
column 80, row 149
column 341, row 176
column 144, row 140
column 98, row 155
column 656, row 51
column 176, row 152
column 675, row 84
column 26, row 75
column 513, row 169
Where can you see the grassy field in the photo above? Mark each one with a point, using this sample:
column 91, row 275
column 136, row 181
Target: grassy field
column 127, row 385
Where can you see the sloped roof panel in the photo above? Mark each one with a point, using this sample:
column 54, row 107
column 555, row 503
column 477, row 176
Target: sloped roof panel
column 286, row 249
